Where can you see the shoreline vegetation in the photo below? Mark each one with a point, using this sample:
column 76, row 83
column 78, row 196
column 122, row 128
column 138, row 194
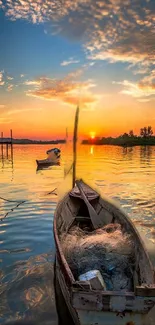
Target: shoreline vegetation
column 145, row 138
column 29, row 141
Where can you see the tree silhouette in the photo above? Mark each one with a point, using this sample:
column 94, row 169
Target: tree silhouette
column 150, row 131
column 131, row 134
column 125, row 135
column 146, row 131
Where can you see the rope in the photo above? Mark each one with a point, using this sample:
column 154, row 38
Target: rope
column 11, row 210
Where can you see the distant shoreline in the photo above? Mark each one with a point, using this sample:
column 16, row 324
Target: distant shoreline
column 28, row 141
column 119, row 141
column 122, row 142
column 118, row 145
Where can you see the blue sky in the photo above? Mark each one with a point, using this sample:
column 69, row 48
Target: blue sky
column 101, row 51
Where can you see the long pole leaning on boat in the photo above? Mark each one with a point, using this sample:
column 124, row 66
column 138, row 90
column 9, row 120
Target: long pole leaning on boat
column 95, row 218
column 75, row 145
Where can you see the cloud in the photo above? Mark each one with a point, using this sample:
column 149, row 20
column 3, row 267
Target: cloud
column 10, row 87
column 17, row 111
column 110, row 30
column 91, row 64
column 22, row 75
column 10, row 78
column 148, row 82
column 32, row 82
column 140, row 90
column 143, row 100
column 1, row 78
column 67, row 90
column 71, row 61
column 5, row 120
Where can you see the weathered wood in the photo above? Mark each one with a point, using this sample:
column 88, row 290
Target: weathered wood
column 74, row 144
column 145, row 291
column 80, row 298
column 112, row 301
column 96, row 219
column 82, row 285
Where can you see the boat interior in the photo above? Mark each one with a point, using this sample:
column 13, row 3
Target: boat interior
column 75, row 212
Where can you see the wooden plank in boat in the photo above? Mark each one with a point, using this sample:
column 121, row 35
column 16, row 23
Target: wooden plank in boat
column 145, row 291
column 66, row 214
column 87, row 301
column 114, row 301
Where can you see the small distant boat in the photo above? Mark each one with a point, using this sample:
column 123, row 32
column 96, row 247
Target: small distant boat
column 85, row 208
column 56, row 151
column 53, row 158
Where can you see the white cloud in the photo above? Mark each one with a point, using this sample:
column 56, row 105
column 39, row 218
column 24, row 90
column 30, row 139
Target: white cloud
column 32, row 82
column 10, row 87
column 10, row 78
column 71, row 61
column 140, row 90
column 1, row 78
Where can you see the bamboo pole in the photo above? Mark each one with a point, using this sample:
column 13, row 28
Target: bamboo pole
column 11, row 135
column 75, row 145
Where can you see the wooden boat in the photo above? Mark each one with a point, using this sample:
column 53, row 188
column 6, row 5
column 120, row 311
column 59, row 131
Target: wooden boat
column 48, row 162
column 84, row 206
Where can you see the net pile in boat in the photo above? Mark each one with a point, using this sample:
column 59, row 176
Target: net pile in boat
column 107, row 249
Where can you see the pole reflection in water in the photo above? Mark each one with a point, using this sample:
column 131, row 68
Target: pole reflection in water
column 6, row 158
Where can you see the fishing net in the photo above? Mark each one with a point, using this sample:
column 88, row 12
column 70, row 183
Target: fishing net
column 108, row 250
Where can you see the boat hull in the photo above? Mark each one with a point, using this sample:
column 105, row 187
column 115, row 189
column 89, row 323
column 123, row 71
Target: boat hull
column 87, row 306
column 44, row 163
column 82, row 315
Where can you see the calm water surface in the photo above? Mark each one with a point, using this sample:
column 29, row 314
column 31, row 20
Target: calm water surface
column 26, row 237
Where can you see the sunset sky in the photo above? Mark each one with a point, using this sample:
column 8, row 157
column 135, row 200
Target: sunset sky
column 55, row 54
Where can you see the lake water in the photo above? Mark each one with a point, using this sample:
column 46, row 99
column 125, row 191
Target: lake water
column 26, row 237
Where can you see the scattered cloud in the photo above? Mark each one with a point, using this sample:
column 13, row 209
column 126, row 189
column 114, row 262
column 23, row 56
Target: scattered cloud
column 10, row 87
column 142, row 89
column 10, row 78
column 1, row 78
column 110, row 30
column 5, row 120
column 67, row 90
column 17, row 111
column 32, row 82
column 22, row 75
column 91, row 63
column 148, row 82
column 70, row 61
column 143, row 100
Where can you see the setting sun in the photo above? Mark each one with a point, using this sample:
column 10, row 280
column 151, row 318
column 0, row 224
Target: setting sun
column 92, row 135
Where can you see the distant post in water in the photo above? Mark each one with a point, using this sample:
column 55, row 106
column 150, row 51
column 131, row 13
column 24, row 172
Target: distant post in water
column 11, row 135
column 11, row 146
column 2, row 143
